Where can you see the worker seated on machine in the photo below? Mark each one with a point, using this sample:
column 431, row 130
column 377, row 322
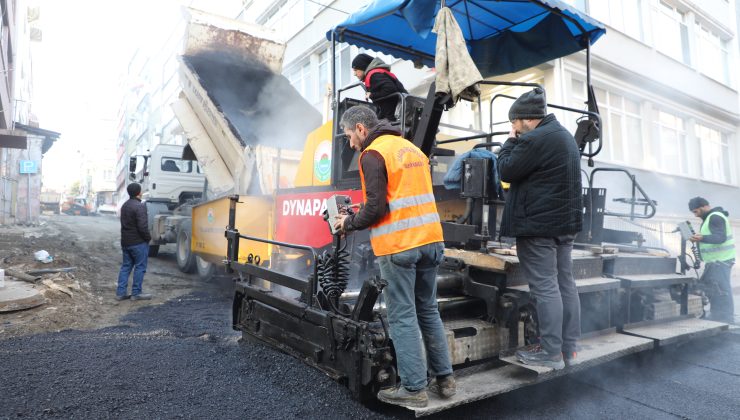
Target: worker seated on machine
column 380, row 83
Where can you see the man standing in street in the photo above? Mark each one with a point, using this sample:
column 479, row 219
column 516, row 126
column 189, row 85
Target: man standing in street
column 717, row 249
column 379, row 83
column 406, row 236
column 134, row 244
column 543, row 211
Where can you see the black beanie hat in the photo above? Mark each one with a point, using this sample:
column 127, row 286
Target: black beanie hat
column 361, row 62
column 697, row 202
column 529, row 106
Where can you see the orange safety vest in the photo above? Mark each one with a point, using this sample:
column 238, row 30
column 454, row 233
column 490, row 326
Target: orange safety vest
column 412, row 219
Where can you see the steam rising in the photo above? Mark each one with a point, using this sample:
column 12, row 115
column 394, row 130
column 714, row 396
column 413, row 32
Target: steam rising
column 260, row 106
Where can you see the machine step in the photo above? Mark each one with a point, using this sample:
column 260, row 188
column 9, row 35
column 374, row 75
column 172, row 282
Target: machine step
column 587, row 285
column 653, row 280
column 628, row 264
column 666, row 333
column 485, row 381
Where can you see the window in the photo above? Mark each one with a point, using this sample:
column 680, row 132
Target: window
column 300, row 78
column 622, row 15
column 172, row 164
column 711, row 55
column 716, row 156
column 671, row 137
column 324, row 73
column 670, row 35
column 622, row 120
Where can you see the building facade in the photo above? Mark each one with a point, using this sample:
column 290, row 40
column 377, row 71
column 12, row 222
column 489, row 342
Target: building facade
column 22, row 142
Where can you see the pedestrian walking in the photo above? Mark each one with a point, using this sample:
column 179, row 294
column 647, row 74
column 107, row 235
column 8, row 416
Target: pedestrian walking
column 134, row 245
column 543, row 211
column 406, row 236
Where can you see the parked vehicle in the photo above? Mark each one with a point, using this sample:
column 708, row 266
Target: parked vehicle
column 50, row 201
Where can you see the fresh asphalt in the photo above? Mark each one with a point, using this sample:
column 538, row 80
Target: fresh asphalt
column 182, row 360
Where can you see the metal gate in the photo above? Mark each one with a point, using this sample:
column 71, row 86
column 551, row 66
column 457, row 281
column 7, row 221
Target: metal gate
column 8, row 199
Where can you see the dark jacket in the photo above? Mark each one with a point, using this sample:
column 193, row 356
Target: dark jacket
column 544, row 169
column 716, row 226
column 382, row 85
column 376, row 183
column 134, row 225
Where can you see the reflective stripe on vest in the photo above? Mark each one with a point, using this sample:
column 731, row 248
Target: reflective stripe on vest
column 717, row 252
column 412, row 219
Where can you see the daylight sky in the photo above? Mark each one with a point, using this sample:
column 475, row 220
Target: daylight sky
column 80, row 70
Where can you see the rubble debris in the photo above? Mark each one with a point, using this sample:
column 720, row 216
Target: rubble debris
column 21, row 275
column 51, row 270
column 54, row 286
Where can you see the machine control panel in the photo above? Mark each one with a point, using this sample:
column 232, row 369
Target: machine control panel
column 335, row 206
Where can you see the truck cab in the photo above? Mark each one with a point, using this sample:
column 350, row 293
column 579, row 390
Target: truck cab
column 166, row 177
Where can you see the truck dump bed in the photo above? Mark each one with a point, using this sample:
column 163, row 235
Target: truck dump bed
column 244, row 108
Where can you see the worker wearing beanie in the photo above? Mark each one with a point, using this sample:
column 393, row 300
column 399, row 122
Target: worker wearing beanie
column 379, row 83
column 544, row 212
column 717, row 249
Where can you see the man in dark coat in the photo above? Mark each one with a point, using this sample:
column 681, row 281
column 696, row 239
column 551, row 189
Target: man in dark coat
column 134, row 244
column 379, row 83
column 544, row 212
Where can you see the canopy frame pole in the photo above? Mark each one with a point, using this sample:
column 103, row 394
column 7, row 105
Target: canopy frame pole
column 333, row 72
column 588, row 61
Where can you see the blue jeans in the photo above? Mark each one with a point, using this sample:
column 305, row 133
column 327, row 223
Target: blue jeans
column 411, row 301
column 134, row 257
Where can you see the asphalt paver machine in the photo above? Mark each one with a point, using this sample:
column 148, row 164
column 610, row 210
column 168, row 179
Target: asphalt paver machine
column 318, row 296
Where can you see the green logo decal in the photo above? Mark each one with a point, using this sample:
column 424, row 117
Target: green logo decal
column 322, row 161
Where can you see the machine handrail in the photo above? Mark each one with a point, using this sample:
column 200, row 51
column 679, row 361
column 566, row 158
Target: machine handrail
column 233, row 237
column 635, row 186
column 591, row 153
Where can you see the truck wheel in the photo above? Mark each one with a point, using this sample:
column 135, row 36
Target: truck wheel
column 153, row 250
column 185, row 256
column 206, row 270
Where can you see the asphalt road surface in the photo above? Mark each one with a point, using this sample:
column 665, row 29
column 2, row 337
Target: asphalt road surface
column 178, row 358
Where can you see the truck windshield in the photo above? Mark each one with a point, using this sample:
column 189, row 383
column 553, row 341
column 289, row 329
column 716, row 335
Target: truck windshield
column 171, row 164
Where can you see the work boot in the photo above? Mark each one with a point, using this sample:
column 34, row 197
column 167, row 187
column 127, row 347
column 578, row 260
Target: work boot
column 444, row 387
column 569, row 357
column 399, row 395
column 141, row 296
column 539, row 357
column 122, row 297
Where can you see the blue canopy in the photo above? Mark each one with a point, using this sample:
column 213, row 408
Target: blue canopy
column 503, row 36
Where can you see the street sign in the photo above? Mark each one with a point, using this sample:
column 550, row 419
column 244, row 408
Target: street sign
column 29, row 167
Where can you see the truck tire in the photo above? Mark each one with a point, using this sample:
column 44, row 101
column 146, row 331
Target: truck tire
column 153, row 250
column 206, row 270
column 185, row 256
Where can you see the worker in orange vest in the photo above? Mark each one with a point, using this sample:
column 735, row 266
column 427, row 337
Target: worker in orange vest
column 406, row 236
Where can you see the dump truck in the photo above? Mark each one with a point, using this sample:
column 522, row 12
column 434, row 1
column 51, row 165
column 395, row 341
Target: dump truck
column 222, row 156
column 319, row 296
column 50, row 201
column 170, row 186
